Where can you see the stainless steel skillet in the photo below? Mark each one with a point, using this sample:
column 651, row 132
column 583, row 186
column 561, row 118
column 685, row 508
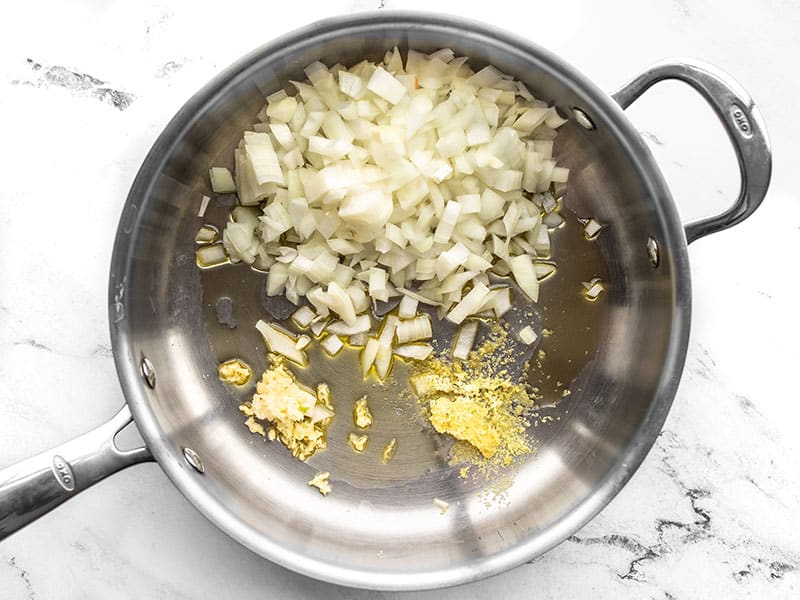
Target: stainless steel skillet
column 623, row 355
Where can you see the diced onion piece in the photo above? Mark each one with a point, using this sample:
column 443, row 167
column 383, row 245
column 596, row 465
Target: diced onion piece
column 317, row 327
column 263, row 159
column 465, row 339
column 211, row 256
column 332, row 345
column 591, row 229
column 389, row 328
column 553, row 220
column 339, row 302
column 368, row 354
column 357, row 339
column 421, row 298
column 408, row 307
column 543, row 270
column 592, row 289
column 441, row 505
column 527, row 335
column 377, row 284
column 525, row 275
column 351, row 85
column 450, row 260
column 542, row 241
column 206, row 235
column 386, row 86
column 362, row 324
column 221, row 180
column 559, row 175
column 414, row 351
column 469, row 305
column 383, row 359
column 302, row 342
column 501, row 303
column 447, row 223
column 321, row 412
column 204, row 205
column 282, row 342
column 418, row 328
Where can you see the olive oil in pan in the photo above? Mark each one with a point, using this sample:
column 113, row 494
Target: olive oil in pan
column 568, row 328
column 396, row 415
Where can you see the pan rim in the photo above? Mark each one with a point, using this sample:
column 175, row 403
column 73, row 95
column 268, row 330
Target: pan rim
column 186, row 480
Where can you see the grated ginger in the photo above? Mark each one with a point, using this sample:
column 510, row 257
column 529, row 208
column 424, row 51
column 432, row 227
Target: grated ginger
column 476, row 402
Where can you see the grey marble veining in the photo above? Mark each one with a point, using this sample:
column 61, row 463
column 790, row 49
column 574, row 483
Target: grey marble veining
column 714, row 511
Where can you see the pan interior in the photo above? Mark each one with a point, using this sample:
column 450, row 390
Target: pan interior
column 380, row 527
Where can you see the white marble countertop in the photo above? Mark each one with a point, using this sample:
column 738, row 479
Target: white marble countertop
column 85, row 88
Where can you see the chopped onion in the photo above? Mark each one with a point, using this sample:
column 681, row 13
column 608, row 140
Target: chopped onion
column 525, row 275
column 368, row 354
column 383, row 360
column 282, row 342
column 414, row 351
column 389, row 328
column 357, row 339
column 527, row 335
column 408, row 307
column 447, row 223
column 592, row 289
column 204, row 205
column 206, row 235
column 553, row 220
column 332, row 345
column 320, row 412
column 386, row 86
column 374, row 180
column 469, row 305
column 418, row 328
column 421, row 298
column 221, row 181
column 543, row 270
column 302, row 342
column 211, row 256
column 501, row 303
column 362, row 324
column 339, row 302
column 591, row 229
column 465, row 339
column 317, row 327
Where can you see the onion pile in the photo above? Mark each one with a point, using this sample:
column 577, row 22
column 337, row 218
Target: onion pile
column 415, row 181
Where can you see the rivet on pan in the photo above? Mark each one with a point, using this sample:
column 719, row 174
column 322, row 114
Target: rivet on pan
column 583, row 119
column 653, row 253
column 148, row 372
column 193, row 459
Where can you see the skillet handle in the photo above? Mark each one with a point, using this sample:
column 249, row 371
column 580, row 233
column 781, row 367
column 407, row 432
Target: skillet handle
column 742, row 121
column 37, row 485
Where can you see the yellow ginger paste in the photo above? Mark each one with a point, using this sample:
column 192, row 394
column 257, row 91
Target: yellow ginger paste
column 476, row 401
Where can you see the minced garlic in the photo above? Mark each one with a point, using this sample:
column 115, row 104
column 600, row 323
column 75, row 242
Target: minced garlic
column 388, row 451
column 290, row 408
column 254, row 426
column 320, row 481
column 235, row 371
column 358, row 442
column 361, row 415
